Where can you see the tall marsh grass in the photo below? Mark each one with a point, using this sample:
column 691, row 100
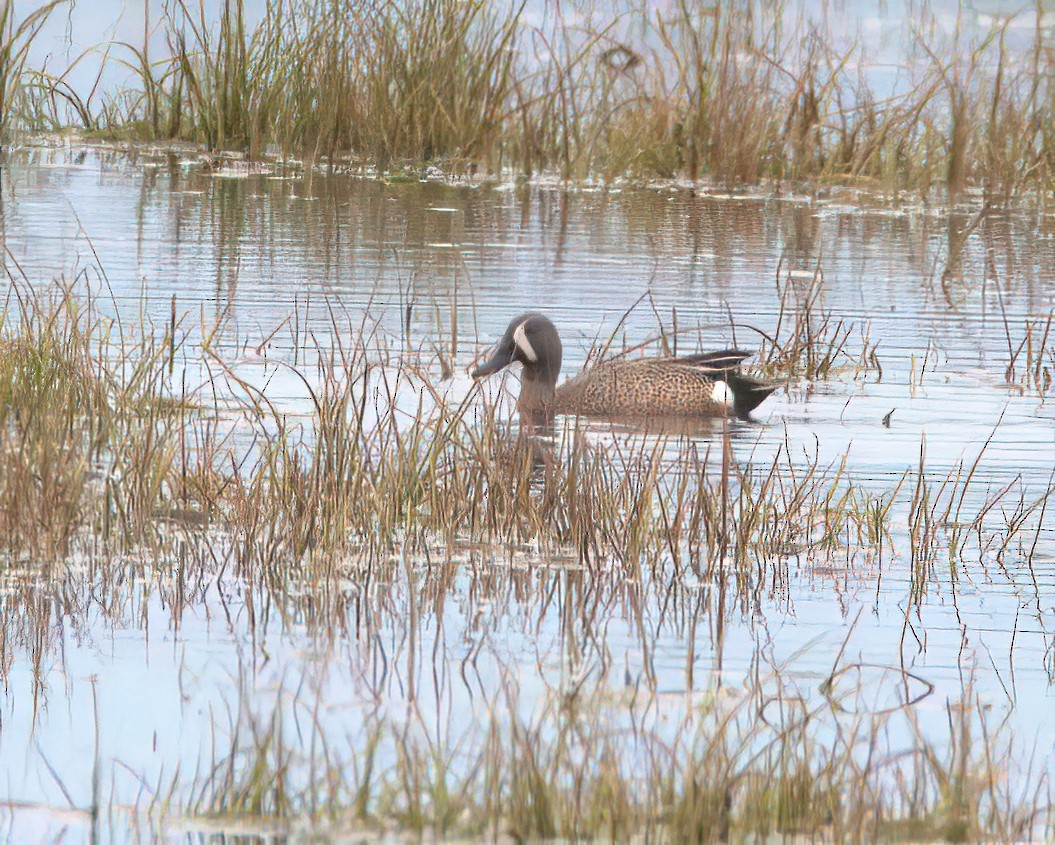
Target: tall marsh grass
column 103, row 434
column 388, row 499
column 381, row 81
column 737, row 94
column 732, row 765
column 92, row 433
column 16, row 38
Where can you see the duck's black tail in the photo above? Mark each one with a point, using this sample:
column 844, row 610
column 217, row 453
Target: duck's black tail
column 748, row 392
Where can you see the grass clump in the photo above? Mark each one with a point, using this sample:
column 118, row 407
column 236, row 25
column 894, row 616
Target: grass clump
column 102, row 436
column 1031, row 357
column 16, row 38
column 90, row 431
column 386, row 501
column 811, row 343
column 761, row 762
column 54, row 412
column 383, row 81
column 731, row 95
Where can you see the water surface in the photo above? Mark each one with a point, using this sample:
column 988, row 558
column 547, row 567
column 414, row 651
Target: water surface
column 245, row 251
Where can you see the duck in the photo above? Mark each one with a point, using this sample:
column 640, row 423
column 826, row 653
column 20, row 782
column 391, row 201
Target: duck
column 707, row 384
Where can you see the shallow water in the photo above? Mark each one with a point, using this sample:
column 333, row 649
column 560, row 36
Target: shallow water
column 245, row 251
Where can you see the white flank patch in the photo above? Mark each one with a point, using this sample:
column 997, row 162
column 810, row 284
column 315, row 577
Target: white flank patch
column 520, row 338
column 722, row 394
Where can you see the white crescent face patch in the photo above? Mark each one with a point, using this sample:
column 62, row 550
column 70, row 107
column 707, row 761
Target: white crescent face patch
column 520, row 338
column 722, row 394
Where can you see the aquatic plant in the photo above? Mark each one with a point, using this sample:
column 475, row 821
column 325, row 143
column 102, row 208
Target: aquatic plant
column 735, row 765
column 729, row 95
column 380, row 81
column 16, row 38
column 93, row 429
column 108, row 439
column 1033, row 355
column 386, row 500
column 809, row 342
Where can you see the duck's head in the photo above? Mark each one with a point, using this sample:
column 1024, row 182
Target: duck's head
column 532, row 340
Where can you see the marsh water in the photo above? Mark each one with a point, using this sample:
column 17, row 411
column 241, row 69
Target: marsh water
column 129, row 688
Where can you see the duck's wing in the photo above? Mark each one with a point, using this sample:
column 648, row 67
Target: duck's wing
column 717, row 362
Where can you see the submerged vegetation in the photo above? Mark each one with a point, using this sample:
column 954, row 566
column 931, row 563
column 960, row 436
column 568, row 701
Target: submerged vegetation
column 387, row 494
column 728, row 93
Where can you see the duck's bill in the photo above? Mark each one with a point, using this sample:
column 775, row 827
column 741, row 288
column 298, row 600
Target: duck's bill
column 501, row 358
